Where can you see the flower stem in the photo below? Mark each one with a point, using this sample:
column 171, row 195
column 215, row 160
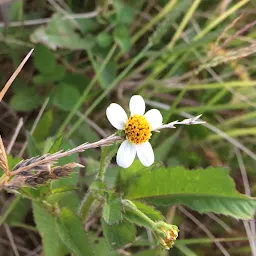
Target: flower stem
column 137, row 216
column 85, row 206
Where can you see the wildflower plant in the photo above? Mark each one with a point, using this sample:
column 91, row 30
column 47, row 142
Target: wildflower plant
column 112, row 195
column 134, row 198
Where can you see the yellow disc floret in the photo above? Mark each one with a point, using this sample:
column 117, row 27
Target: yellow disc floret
column 137, row 129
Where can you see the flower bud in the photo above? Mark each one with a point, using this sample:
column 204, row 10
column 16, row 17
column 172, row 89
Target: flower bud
column 167, row 234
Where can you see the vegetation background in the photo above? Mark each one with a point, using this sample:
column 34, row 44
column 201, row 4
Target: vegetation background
column 184, row 57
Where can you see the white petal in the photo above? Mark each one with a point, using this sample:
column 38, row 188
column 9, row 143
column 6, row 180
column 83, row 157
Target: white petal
column 126, row 154
column 154, row 117
column 145, row 153
column 116, row 116
column 137, row 105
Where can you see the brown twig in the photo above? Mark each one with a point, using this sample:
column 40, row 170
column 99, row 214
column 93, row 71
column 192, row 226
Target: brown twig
column 14, row 75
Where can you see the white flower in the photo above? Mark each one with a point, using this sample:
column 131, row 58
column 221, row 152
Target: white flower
column 137, row 129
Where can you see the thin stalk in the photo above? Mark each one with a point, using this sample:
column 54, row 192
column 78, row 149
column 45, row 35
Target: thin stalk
column 238, row 119
column 130, row 207
column 184, row 23
column 169, row 6
column 85, row 206
column 217, row 21
column 195, row 87
column 208, row 240
column 218, row 96
column 101, row 97
column 205, row 108
column 86, row 91
column 234, row 133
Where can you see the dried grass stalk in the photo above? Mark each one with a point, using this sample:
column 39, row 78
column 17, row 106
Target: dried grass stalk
column 3, row 158
column 41, row 162
column 14, row 75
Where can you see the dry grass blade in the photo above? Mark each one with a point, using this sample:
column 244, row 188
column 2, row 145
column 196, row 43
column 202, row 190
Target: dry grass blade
column 14, row 75
column 3, row 157
column 48, row 159
column 228, row 56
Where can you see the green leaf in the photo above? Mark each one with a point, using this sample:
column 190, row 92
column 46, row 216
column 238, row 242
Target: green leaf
column 101, row 248
column 25, row 100
column 108, row 75
column 33, row 149
column 112, row 208
column 72, row 179
column 104, row 39
column 59, row 33
column 43, row 128
column 12, row 161
column 44, row 59
column 118, row 235
column 122, row 37
column 57, row 74
column 56, row 145
column 107, row 153
column 72, row 233
column 125, row 12
column 80, row 81
column 126, row 175
column 209, row 190
column 45, row 223
column 149, row 210
column 66, row 97
column 19, row 212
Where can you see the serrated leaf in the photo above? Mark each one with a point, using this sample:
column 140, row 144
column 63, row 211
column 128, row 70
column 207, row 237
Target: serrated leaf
column 66, row 97
column 44, row 59
column 80, row 81
column 125, row 12
column 118, row 235
column 126, row 175
column 72, row 233
column 65, row 196
column 101, row 248
column 108, row 74
column 43, row 128
column 57, row 74
column 25, row 100
column 59, row 33
column 122, row 37
column 209, row 190
column 45, row 223
column 112, row 208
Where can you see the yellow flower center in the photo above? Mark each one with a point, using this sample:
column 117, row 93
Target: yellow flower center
column 168, row 241
column 137, row 129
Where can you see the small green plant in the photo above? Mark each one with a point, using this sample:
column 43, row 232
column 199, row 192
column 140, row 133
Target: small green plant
column 87, row 176
column 209, row 190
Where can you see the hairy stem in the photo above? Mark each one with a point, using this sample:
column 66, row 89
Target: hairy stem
column 85, row 206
